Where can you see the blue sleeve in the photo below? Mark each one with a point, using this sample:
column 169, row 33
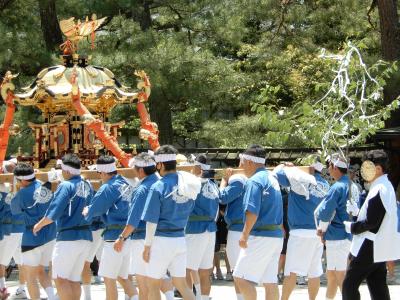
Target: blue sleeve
column 282, row 178
column 137, row 207
column 151, row 211
column 328, row 206
column 231, row 192
column 252, row 198
column 16, row 204
column 60, row 202
column 101, row 202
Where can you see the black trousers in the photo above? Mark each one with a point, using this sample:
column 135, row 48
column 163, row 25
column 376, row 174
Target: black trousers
column 363, row 267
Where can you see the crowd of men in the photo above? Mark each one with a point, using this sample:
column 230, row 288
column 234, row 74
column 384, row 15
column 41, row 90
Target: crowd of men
column 161, row 228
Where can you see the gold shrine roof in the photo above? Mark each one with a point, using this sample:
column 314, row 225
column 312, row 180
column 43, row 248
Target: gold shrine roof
column 52, row 89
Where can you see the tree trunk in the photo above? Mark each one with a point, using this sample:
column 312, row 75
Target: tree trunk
column 160, row 113
column 159, row 105
column 51, row 29
column 390, row 43
column 145, row 20
column 5, row 3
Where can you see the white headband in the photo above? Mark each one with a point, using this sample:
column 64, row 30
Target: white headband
column 133, row 162
column 318, row 166
column 106, row 168
column 70, row 169
column 8, row 163
column 165, row 157
column 13, row 160
column 204, row 167
column 26, row 177
column 338, row 163
column 255, row 159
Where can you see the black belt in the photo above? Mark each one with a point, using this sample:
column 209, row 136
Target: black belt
column 113, row 227
column 18, row 223
column 267, row 227
column 196, row 218
column 235, row 222
column 78, row 227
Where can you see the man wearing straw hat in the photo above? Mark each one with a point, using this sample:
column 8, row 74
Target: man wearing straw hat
column 376, row 237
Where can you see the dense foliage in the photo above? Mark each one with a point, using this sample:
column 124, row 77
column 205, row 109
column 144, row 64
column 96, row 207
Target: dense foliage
column 225, row 73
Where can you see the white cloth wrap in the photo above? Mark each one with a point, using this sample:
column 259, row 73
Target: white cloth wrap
column 318, row 166
column 387, row 239
column 106, row 168
column 255, row 159
column 189, row 185
column 237, row 177
column 70, row 169
column 165, row 157
column 55, row 175
column 5, row 187
column 299, row 180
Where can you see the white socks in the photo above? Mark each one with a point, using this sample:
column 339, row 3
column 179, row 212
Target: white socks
column 239, row 297
column 203, row 297
column 21, row 287
column 134, row 297
column 2, row 282
column 169, row 295
column 329, row 298
column 50, row 293
column 87, row 292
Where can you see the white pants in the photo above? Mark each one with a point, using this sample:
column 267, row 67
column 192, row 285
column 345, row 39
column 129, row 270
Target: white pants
column 115, row 264
column 337, row 253
column 232, row 247
column 200, row 250
column 138, row 265
column 96, row 246
column 303, row 256
column 39, row 256
column 167, row 254
column 259, row 262
column 69, row 259
column 11, row 248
